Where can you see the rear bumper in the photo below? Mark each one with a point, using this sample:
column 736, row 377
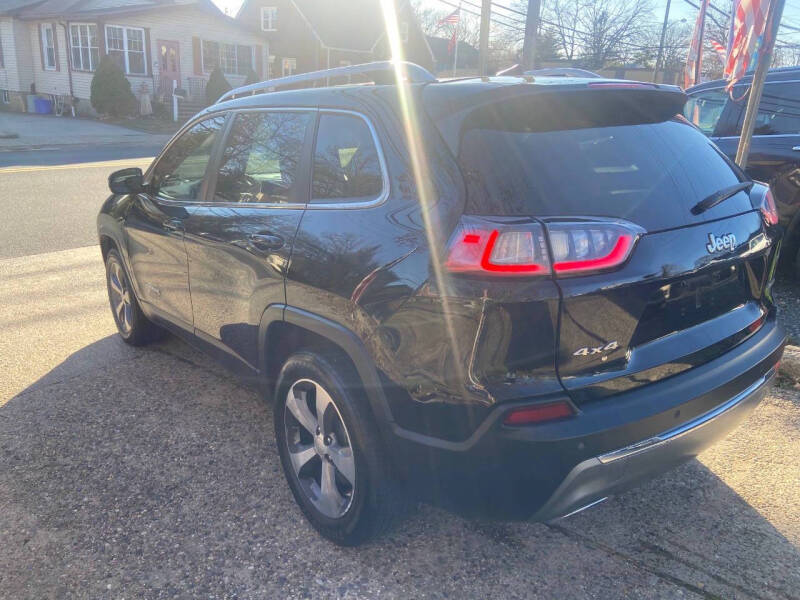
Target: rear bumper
column 596, row 478
column 552, row 469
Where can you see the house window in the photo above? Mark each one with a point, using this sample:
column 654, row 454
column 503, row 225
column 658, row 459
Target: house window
column 236, row 60
column 126, row 46
column 210, row 56
column 288, row 66
column 48, row 35
column 404, row 31
column 83, row 42
column 269, row 18
column 4, row 96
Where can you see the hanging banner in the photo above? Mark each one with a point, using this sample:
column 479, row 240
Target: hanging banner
column 749, row 24
column 694, row 60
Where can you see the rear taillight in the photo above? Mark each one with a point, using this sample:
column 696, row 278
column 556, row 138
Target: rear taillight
column 498, row 247
column 590, row 246
column 518, row 247
column 768, row 208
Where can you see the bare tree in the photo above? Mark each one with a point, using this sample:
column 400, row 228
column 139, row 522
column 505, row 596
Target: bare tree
column 467, row 29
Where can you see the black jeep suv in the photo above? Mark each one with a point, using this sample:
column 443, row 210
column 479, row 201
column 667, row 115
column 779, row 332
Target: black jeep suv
column 508, row 294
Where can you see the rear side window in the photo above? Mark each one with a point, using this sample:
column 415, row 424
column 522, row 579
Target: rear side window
column 179, row 174
column 705, row 109
column 346, row 164
column 778, row 112
column 650, row 174
column 262, row 157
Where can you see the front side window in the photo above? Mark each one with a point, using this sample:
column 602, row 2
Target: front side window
column 261, row 158
column 48, row 35
column 84, row 47
column 346, row 164
column 778, row 112
column 126, row 46
column 705, row 109
column 179, row 174
column 269, row 18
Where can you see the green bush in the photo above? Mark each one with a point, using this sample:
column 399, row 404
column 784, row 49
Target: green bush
column 111, row 92
column 251, row 77
column 216, row 86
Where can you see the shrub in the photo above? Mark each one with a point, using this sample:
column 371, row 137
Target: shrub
column 251, row 77
column 111, row 92
column 216, row 86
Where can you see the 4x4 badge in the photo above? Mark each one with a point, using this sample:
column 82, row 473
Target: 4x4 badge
column 718, row 243
column 588, row 350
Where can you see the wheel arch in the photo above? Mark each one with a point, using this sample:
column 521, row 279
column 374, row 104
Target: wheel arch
column 286, row 329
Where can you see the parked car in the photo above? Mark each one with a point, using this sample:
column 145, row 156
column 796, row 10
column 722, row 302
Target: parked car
column 775, row 148
column 507, row 296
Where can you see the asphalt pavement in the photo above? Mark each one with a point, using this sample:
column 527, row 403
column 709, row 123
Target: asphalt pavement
column 152, row 472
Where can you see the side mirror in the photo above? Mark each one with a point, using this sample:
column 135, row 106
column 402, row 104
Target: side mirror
column 126, row 181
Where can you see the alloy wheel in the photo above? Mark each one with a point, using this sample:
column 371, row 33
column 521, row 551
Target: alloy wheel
column 320, row 449
column 120, row 296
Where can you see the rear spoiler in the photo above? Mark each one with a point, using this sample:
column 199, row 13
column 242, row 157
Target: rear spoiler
column 533, row 108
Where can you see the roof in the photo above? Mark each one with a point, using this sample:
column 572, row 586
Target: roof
column 45, row 9
column 780, row 74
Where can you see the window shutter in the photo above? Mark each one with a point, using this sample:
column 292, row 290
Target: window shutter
column 101, row 39
column 148, row 58
column 260, row 61
column 41, row 44
column 55, row 46
column 197, row 55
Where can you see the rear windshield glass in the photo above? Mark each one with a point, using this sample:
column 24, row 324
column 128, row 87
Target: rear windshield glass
column 650, row 174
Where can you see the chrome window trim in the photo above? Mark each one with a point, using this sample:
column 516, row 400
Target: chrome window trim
column 377, row 201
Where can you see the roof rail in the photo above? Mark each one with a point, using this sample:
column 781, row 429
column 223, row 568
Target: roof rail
column 380, row 72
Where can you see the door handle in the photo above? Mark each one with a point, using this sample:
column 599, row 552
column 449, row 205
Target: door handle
column 266, row 241
column 173, row 225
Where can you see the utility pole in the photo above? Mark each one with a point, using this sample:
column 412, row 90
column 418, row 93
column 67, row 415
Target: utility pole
column 486, row 11
column 757, row 86
column 661, row 43
column 531, row 29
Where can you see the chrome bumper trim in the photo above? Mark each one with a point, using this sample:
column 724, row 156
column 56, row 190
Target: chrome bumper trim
column 689, row 426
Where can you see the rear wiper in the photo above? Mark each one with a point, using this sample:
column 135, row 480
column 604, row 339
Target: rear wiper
column 720, row 196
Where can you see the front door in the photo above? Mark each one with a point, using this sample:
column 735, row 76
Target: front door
column 239, row 241
column 155, row 222
column 169, row 65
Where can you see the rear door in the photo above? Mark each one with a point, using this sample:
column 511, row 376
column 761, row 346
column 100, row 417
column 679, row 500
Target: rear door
column 239, row 240
column 694, row 283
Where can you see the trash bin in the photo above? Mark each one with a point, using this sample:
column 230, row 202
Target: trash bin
column 43, row 106
column 31, row 103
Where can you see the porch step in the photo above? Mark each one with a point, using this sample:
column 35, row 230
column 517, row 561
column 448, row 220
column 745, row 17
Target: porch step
column 189, row 109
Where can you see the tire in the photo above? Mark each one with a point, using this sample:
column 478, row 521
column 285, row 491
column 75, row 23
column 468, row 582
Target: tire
column 348, row 512
column 133, row 327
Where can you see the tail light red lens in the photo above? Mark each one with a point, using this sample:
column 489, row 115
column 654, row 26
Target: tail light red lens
column 538, row 413
column 502, row 247
column 484, row 246
column 768, row 208
column 591, row 246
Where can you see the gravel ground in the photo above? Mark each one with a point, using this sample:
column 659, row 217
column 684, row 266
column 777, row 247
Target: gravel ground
column 152, row 473
column 787, row 297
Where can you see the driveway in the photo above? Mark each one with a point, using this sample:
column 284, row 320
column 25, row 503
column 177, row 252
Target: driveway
column 40, row 131
column 152, row 473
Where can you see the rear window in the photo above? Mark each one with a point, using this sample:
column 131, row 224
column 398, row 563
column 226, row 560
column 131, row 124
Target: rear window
column 650, row 174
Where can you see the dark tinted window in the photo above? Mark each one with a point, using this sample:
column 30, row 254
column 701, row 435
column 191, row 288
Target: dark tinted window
column 180, row 172
column 704, row 109
column 650, row 174
column 778, row 112
column 346, row 164
column 261, row 158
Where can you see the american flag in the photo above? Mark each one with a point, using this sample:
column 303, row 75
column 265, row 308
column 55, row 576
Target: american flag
column 749, row 24
column 719, row 49
column 694, row 59
column 453, row 18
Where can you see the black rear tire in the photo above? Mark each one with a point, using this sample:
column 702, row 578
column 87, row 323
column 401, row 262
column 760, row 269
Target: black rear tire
column 376, row 499
column 132, row 325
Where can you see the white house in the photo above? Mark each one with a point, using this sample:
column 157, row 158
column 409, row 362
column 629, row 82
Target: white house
column 52, row 47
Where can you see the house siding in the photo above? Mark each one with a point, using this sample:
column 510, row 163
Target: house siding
column 23, row 56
